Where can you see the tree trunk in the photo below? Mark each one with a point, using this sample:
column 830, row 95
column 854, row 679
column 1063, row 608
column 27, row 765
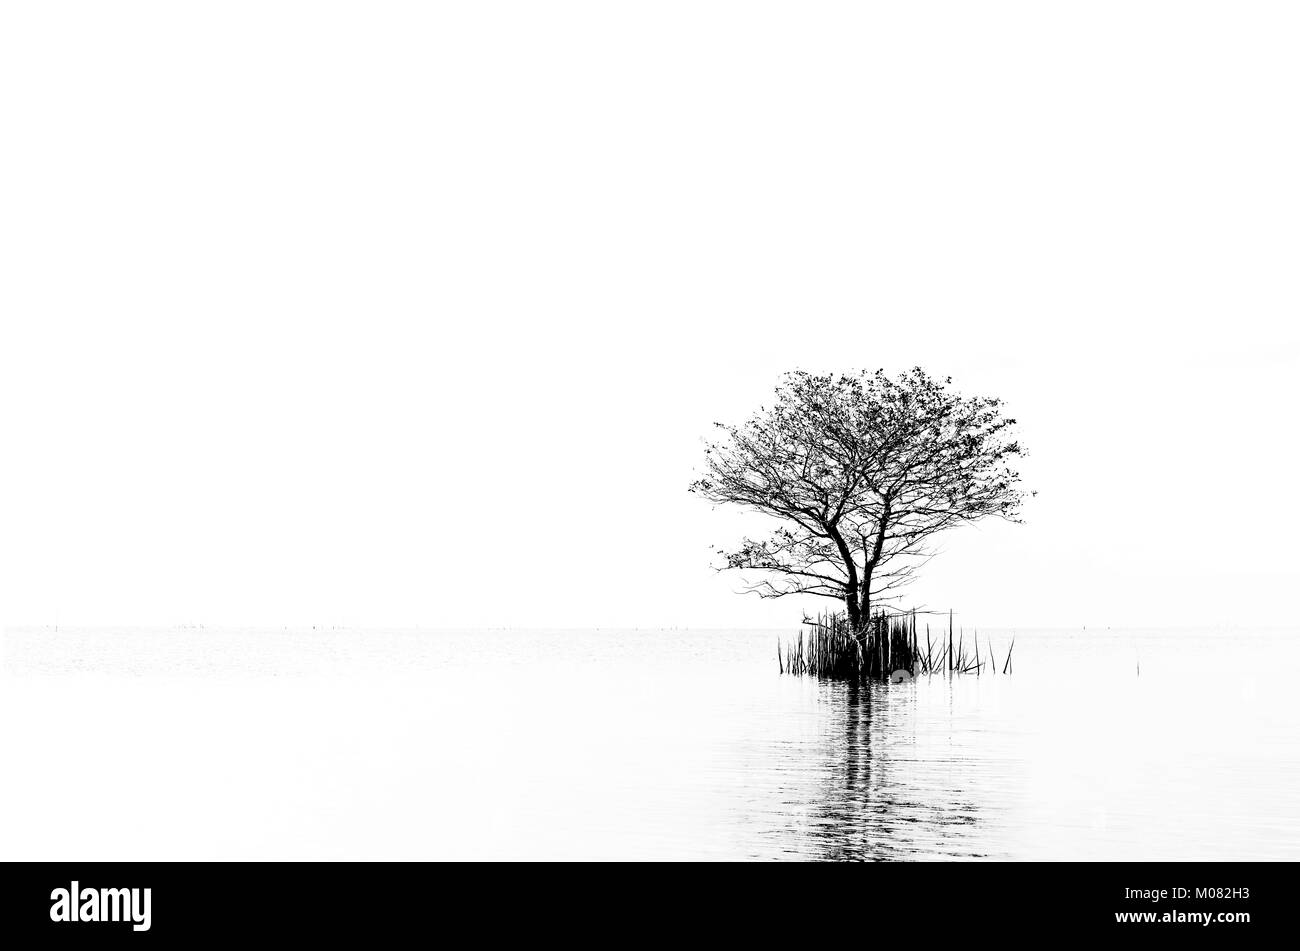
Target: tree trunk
column 855, row 614
column 857, row 623
column 873, row 559
column 864, row 607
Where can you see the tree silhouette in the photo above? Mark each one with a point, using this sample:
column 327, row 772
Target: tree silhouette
column 863, row 471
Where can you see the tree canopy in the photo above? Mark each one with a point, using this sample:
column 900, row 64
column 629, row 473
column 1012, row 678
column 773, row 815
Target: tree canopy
column 862, row 470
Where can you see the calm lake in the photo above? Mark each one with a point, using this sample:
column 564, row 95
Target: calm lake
column 321, row 744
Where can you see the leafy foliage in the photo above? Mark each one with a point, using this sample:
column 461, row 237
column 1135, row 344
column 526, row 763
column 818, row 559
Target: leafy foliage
column 863, row 471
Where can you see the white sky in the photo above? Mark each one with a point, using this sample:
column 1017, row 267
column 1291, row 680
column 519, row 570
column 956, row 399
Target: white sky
column 374, row 314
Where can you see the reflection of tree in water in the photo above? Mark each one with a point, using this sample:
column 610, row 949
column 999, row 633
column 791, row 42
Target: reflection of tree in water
column 887, row 797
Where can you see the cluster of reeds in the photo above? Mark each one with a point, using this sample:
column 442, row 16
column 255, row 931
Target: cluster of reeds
column 889, row 647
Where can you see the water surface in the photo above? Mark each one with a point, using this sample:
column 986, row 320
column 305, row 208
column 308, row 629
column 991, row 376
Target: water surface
column 305, row 744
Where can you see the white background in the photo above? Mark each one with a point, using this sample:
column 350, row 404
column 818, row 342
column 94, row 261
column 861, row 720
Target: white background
column 416, row 314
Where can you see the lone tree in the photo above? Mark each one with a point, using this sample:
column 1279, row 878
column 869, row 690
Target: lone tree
column 862, row 471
